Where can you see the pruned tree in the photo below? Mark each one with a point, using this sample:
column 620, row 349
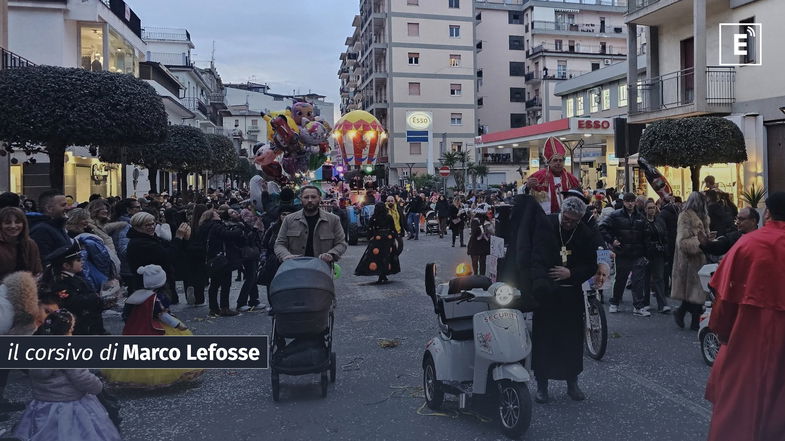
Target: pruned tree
column 45, row 109
column 223, row 156
column 451, row 159
column 184, row 149
column 693, row 143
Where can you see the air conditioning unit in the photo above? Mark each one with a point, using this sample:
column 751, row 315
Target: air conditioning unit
column 607, row 61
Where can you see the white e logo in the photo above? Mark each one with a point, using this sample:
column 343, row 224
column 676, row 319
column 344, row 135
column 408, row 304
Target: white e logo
column 739, row 42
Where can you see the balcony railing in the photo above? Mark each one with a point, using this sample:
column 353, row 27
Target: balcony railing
column 534, row 102
column 169, row 59
column 12, row 61
column 677, row 89
column 497, row 158
column 195, row 105
column 558, row 75
column 617, row 3
column 218, row 97
column 173, row 34
column 636, row 5
column 621, row 49
column 539, row 25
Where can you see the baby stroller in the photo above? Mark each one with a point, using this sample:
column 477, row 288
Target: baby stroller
column 302, row 299
column 431, row 223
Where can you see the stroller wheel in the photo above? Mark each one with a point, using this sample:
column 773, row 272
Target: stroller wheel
column 332, row 367
column 276, row 386
column 324, row 384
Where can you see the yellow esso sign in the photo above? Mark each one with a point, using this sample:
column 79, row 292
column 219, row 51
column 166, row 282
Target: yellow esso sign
column 419, row 120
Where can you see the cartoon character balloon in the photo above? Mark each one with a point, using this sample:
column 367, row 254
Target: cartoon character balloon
column 263, row 155
column 360, row 136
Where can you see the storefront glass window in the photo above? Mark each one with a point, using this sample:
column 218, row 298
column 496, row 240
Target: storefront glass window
column 122, row 56
column 570, row 109
column 606, row 99
column 622, row 94
column 594, row 102
column 579, row 106
column 91, row 48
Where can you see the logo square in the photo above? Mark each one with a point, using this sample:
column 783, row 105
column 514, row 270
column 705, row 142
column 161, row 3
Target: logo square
column 741, row 44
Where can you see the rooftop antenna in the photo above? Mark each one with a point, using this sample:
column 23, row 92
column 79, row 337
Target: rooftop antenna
column 212, row 57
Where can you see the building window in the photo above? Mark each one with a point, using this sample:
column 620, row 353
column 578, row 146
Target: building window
column 752, row 44
column 516, row 43
column 414, row 88
column 623, row 95
column 561, row 69
column 595, row 66
column 579, row 109
column 122, row 56
column 557, row 45
column 91, row 48
column 454, row 4
column 456, row 119
column 606, row 99
column 517, row 120
column 413, row 29
column 517, row 94
column 236, row 122
column 414, row 58
column 415, row 148
column 517, row 68
column 514, row 17
column 639, row 99
column 254, row 122
column 413, row 2
column 455, row 31
column 594, row 101
column 455, row 89
column 569, row 108
column 456, row 146
column 479, row 102
column 455, row 60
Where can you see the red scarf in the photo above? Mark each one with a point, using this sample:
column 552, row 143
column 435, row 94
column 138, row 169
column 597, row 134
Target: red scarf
column 568, row 182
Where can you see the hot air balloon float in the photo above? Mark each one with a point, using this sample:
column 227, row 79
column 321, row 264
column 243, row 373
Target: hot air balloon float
column 360, row 136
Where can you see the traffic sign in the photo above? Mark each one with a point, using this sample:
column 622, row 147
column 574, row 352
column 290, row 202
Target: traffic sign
column 444, row 171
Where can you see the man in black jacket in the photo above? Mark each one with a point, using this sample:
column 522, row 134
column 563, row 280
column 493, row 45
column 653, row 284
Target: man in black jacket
column 624, row 231
column 47, row 229
column 670, row 216
column 746, row 222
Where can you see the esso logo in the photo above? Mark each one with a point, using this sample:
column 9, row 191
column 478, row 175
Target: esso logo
column 419, row 120
column 593, row 124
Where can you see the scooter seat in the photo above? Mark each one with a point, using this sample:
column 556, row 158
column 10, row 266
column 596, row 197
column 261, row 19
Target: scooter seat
column 461, row 329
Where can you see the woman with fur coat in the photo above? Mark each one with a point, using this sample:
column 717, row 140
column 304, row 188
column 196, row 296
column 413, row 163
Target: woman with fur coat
column 689, row 259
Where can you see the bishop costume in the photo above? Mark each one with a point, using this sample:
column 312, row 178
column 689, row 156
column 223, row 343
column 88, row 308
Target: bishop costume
column 550, row 185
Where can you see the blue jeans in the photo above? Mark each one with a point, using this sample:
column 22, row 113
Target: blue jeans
column 414, row 224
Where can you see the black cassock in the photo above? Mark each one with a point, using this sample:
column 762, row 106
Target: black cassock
column 558, row 329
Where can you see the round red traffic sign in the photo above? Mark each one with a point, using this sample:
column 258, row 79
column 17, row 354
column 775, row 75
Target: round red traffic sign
column 444, row 171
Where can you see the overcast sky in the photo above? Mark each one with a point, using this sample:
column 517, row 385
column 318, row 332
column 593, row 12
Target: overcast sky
column 289, row 44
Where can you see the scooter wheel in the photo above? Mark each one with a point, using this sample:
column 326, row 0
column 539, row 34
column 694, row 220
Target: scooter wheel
column 514, row 408
column 276, row 386
column 323, row 383
column 434, row 397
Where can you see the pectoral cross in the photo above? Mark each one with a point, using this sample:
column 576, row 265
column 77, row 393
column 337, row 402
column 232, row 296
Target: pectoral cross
column 564, row 253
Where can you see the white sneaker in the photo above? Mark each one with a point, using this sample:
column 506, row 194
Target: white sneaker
column 643, row 312
column 245, row 308
column 646, row 307
column 613, row 308
column 665, row 309
column 189, row 296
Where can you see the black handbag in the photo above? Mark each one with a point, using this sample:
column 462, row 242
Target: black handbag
column 217, row 264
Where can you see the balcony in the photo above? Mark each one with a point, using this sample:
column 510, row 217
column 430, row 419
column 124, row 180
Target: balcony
column 195, row 105
column 579, row 49
column 533, row 103
column 673, row 94
column 170, row 59
column 497, row 159
column 12, row 61
column 218, row 97
column 558, row 75
column 167, row 34
column 589, row 28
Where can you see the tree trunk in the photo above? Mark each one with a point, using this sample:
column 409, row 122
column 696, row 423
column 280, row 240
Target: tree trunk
column 152, row 176
column 56, row 152
column 695, row 172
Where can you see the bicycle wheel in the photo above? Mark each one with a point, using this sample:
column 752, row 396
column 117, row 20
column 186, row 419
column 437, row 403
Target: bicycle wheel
column 596, row 341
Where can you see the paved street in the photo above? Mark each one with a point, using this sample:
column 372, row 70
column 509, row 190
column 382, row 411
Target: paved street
column 649, row 386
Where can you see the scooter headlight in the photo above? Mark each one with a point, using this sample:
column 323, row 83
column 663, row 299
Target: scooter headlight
column 504, row 295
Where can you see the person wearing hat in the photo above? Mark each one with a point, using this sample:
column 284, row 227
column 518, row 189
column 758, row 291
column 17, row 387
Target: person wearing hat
column 546, row 185
column 63, row 277
column 148, row 314
column 748, row 316
column 624, row 231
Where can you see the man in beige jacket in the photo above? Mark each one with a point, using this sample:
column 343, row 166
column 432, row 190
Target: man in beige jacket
column 311, row 232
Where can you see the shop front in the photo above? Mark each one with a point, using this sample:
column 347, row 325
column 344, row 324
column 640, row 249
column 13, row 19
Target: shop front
column 591, row 141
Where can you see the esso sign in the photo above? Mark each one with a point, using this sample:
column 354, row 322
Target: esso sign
column 419, row 120
column 593, row 124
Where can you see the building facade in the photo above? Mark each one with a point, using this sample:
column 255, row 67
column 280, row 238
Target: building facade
column 415, row 71
column 684, row 78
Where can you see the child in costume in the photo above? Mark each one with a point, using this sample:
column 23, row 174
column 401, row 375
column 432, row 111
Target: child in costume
column 63, row 277
column 64, row 402
column 149, row 315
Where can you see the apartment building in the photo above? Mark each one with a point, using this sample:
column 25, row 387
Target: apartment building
column 525, row 48
column 686, row 77
column 416, row 73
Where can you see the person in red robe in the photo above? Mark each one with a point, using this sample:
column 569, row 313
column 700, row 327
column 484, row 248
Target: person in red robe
column 747, row 382
column 548, row 184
